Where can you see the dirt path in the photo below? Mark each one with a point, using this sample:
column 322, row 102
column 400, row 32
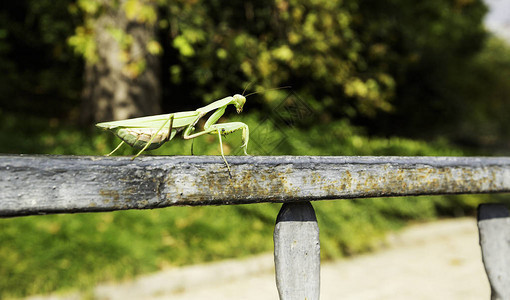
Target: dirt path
column 440, row 260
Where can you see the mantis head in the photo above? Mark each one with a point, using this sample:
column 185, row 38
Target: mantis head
column 238, row 102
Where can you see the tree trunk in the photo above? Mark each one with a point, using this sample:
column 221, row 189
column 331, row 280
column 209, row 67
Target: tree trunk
column 112, row 89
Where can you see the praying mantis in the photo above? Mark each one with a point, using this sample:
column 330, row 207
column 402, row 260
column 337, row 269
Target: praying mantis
column 147, row 133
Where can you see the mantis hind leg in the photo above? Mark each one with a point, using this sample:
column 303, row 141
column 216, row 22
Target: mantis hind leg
column 121, row 143
column 171, row 119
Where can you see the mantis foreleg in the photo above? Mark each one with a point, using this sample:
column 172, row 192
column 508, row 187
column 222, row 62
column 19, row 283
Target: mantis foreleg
column 223, row 129
column 223, row 155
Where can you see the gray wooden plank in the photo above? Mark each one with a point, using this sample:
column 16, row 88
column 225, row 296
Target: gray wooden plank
column 41, row 184
column 494, row 229
column 297, row 252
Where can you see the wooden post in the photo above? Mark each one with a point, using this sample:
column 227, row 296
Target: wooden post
column 297, row 252
column 494, row 229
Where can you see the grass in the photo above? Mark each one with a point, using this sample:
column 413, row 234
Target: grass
column 42, row 254
column 47, row 253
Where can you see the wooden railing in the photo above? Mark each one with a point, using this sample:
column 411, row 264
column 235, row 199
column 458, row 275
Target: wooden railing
column 32, row 185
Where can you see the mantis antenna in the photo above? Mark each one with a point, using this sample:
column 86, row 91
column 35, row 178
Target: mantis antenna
column 247, row 86
column 273, row 89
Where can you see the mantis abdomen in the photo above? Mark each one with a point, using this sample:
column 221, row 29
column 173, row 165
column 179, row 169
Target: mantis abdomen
column 139, row 137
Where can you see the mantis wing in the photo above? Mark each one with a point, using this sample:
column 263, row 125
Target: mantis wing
column 181, row 119
column 137, row 132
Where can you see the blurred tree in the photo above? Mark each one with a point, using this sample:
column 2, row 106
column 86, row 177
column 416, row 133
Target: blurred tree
column 118, row 42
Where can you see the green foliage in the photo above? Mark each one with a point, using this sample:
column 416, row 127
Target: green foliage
column 42, row 254
column 348, row 58
column 483, row 101
column 467, row 101
column 432, row 68
column 272, row 44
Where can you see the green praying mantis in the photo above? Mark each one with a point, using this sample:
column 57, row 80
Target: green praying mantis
column 147, row 133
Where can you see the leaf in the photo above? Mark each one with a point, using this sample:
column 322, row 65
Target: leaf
column 154, row 48
column 184, row 47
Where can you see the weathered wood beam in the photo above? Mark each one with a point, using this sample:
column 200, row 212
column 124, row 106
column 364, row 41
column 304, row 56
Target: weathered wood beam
column 41, row 184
